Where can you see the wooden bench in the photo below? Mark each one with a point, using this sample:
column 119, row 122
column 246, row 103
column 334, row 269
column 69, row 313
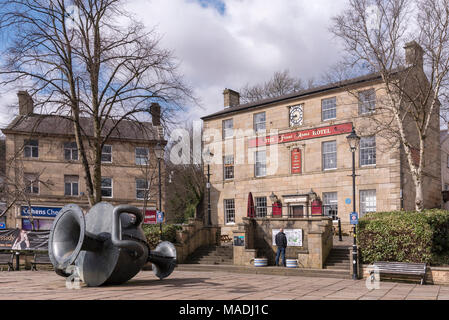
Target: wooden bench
column 7, row 259
column 40, row 258
column 225, row 238
column 400, row 269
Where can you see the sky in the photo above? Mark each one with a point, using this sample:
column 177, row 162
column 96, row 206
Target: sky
column 228, row 43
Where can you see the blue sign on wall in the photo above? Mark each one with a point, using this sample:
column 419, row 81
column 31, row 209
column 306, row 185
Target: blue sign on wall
column 354, row 218
column 2, row 225
column 348, row 201
column 39, row 211
column 159, row 217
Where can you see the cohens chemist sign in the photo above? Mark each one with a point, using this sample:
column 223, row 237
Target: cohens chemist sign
column 40, row 212
column 301, row 135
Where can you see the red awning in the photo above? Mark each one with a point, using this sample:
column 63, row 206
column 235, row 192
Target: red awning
column 250, row 210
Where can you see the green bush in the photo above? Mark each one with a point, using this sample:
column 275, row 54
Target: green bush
column 405, row 237
column 152, row 233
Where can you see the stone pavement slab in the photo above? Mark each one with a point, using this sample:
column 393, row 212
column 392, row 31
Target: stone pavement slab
column 189, row 285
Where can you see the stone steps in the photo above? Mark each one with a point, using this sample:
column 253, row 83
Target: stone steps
column 212, row 256
column 338, row 259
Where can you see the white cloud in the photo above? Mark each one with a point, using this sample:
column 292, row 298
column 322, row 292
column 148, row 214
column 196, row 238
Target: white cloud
column 247, row 44
column 250, row 41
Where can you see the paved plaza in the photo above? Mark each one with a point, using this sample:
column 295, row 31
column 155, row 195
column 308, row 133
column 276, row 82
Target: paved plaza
column 186, row 285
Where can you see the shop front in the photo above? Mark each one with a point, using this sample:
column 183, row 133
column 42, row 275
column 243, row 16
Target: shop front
column 37, row 218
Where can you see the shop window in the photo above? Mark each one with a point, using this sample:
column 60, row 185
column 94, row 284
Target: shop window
column 261, row 207
column 70, row 151
column 71, row 184
column 31, row 149
column 228, row 128
column 228, row 167
column 330, row 205
column 259, row 122
column 106, row 154
column 260, row 166
column 106, row 187
column 367, row 201
column 142, row 156
column 329, row 155
column 142, row 189
column 368, row 151
column 229, row 211
column 329, row 108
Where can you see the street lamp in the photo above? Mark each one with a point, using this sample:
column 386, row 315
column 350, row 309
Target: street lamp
column 159, row 152
column 353, row 140
column 208, row 155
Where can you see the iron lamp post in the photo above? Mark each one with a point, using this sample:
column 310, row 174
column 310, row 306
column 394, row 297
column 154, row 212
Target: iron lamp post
column 353, row 141
column 209, row 154
column 159, row 152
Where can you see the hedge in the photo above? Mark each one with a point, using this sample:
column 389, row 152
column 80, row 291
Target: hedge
column 152, row 233
column 405, row 236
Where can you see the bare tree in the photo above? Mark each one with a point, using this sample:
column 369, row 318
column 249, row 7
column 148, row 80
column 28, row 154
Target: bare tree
column 374, row 32
column 280, row 84
column 84, row 58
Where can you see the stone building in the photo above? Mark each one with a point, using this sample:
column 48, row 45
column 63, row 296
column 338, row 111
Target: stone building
column 292, row 154
column 444, row 141
column 43, row 161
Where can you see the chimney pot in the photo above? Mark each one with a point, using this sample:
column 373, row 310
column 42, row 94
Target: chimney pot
column 414, row 54
column 155, row 111
column 26, row 104
column 231, row 98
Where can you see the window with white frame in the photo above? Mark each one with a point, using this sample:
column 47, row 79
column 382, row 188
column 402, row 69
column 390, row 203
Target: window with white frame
column 367, row 201
column 31, row 149
column 229, row 211
column 71, row 185
column 330, row 204
column 70, row 151
column 329, row 108
column 106, row 187
column 368, row 151
column 259, row 122
column 228, row 167
column 329, row 155
column 31, row 181
column 142, row 156
column 142, row 187
column 260, row 163
column 261, row 207
column 106, row 153
column 228, row 128
column 367, row 101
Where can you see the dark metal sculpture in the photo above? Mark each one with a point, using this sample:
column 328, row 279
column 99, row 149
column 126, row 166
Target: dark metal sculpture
column 107, row 246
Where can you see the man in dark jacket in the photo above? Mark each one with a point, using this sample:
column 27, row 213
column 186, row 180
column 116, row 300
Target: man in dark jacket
column 281, row 243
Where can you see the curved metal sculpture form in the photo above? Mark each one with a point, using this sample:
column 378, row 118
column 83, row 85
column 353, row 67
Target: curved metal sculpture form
column 107, row 245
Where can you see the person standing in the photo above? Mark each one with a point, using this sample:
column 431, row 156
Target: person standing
column 281, row 243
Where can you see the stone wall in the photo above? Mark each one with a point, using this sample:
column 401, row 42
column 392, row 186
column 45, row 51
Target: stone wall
column 194, row 235
column 316, row 242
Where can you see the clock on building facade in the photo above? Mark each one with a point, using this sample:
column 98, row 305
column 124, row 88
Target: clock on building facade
column 296, row 115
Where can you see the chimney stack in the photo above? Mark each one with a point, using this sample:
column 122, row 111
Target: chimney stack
column 155, row 111
column 26, row 104
column 414, row 54
column 231, row 98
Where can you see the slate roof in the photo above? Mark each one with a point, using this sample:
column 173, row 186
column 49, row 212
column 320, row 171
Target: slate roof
column 58, row 125
column 284, row 98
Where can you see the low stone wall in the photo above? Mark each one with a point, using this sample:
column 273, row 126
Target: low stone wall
column 316, row 242
column 194, row 235
column 434, row 275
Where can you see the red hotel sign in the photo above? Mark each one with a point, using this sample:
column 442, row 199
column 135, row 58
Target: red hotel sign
column 301, row 135
column 296, row 161
column 150, row 216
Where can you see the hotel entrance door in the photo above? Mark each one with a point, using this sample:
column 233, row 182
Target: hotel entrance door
column 297, row 211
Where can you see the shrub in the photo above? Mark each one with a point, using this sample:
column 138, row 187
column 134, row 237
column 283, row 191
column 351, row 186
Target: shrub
column 152, row 233
column 405, row 237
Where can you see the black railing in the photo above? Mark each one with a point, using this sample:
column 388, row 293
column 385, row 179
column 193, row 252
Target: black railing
column 295, row 211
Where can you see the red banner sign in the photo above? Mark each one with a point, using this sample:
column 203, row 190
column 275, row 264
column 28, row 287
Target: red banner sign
column 301, row 135
column 296, row 161
column 150, row 217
